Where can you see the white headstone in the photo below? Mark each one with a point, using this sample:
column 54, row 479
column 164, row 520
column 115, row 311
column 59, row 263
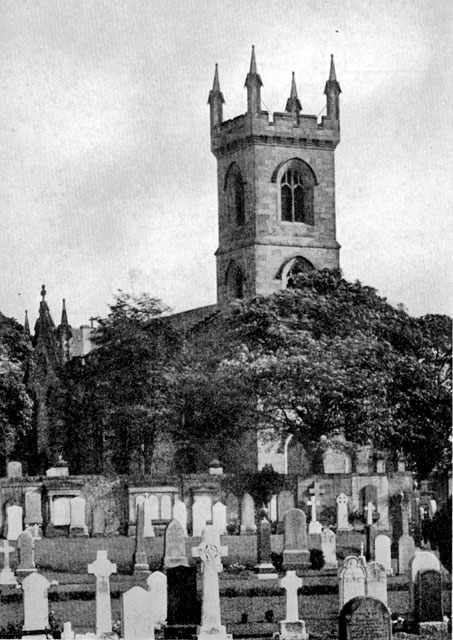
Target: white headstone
column 422, row 561
column 370, row 508
column 33, row 507
column 329, row 548
column 157, row 587
column 68, row 633
column 382, row 552
column 137, row 618
column 77, row 508
column 36, row 604
column 61, row 511
column 102, row 568
column 219, row 519
column 314, row 526
column 6, row 574
column 201, row 514
column 180, row 514
column 352, row 581
column 154, row 510
column 14, row 515
column 166, row 507
column 210, row 553
column 149, row 511
column 248, row 524
column 376, row 581
column 342, row 512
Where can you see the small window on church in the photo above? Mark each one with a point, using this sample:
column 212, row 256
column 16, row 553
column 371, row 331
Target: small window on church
column 239, row 200
column 296, row 195
column 239, row 285
column 235, row 195
column 234, row 280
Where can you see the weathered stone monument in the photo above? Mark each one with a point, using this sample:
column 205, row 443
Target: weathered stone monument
column 210, row 552
column 137, row 614
column 364, row 618
column 382, row 552
column 140, row 557
column 183, row 608
column 295, row 554
column 180, row 514
column 14, row 515
column 102, row 568
column 175, row 546
column 376, row 581
column 201, row 514
column 329, row 548
column 36, row 604
column 292, row 628
column 78, row 525
column 98, row 528
column 148, row 529
column 264, row 567
column 248, row 524
column 26, row 547
column 428, row 597
column 342, row 513
column 315, row 527
column 352, row 581
column 219, row 519
column 156, row 584
column 406, row 543
column 6, row 574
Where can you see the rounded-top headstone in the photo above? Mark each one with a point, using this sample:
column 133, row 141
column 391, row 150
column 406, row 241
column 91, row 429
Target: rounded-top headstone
column 363, row 618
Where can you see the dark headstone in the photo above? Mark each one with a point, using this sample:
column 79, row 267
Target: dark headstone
column 428, row 596
column 370, row 537
column 365, row 619
column 98, row 529
column 183, row 604
column 264, row 542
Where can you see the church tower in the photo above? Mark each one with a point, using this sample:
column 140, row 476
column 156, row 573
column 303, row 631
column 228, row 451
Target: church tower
column 276, row 189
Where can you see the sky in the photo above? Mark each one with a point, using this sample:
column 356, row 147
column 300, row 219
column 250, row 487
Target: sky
column 106, row 177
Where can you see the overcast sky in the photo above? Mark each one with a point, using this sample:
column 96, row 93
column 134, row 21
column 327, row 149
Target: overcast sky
column 106, row 175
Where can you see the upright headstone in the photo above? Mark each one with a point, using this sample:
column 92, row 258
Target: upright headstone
column 285, row 502
column 183, row 609
column 292, row 628
column 352, row 581
column 26, row 547
column 406, row 543
column 382, row 552
column 175, row 546
column 295, row 553
column 140, row 557
column 200, row 514
column 329, row 548
column 376, row 581
column 248, row 524
column 35, row 588
column 14, row 469
column 314, row 526
column 364, row 618
column 264, row 568
column 219, row 519
column 232, row 505
column 14, row 515
column 6, row 574
column 210, row 552
column 421, row 561
column 78, row 525
column 33, row 507
column 428, row 596
column 157, row 586
column 342, row 513
column 68, row 633
column 148, row 529
column 180, row 514
column 369, row 510
column 370, row 537
column 98, row 528
column 137, row 614
column 102, row 568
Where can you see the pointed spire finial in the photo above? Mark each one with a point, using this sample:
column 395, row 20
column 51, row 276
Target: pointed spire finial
column 216, row 83
column 253, row 84
column 332, row 75
column 43, row 292
column 253, row 61
column 293, row 104
column 216, row 100
column 332, row 92
column 64, row 315
column 26, row 324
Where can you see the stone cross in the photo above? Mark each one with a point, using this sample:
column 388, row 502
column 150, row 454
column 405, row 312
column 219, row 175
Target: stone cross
column 313, row 503
column 102, row 568
column 210, row 552
column 6, row 575
column 291, row 583
column 342, row 511
column 370, row 508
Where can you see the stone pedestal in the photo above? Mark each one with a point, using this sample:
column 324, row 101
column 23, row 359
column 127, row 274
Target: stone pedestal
column 293, row 630
column 297, row 559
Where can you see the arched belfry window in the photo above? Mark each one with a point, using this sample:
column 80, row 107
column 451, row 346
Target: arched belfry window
column 234, row 281
column 289, row 271
column 234, row 186
column 296, row 182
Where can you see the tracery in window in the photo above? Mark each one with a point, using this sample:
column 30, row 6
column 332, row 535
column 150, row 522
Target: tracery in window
column 297, row 184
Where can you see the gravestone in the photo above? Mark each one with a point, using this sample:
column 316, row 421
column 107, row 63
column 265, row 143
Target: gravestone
column 6, row 574
column 156, row 584
column 210, row 552
column 336, row 461
column 314, row 527
column 382, row 552
column 68, row 633
column 376, row 581
column 264, row 568
column 422, row 561
column 285, row 502
column 352, row 581
column 78, row 525
column 248, row 524
column 406, row 543
column 35, row 588
column 98, row 528
column 175, row 546
column 370, row 538
column 26, row 547
column 180, row 514
column 369, row 510
column 149, row 512
column 329, row 549
column 364, row 618
column 232, row 505
column 201, row 514
column 102, row 568
column 342, row 513
column 137, row 614
column 295, row 553
column 183, row 609
column 14, row 522
column 368, row 494
column 14, row 469
column 219, row 520
column 140, row 557
column 33, row 507
column 61, row 511
column 292, row 628
column 166, row 507
column 363, row 459
column 428, row 596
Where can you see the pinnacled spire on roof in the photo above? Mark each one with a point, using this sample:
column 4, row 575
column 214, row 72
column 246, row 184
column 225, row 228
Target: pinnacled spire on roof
column 332, row 92
column 26, row 324
column 64, row 316
column 253, row 83
column 293, row 104
column 216, row 100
